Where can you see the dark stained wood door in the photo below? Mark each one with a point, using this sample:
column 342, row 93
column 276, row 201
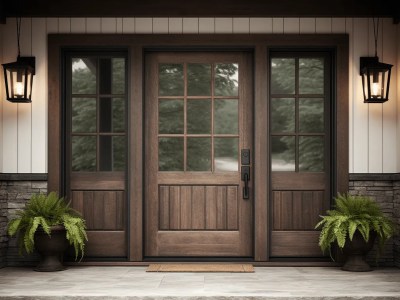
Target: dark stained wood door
column 95, row 144
column 198, row 117
column 300, row 139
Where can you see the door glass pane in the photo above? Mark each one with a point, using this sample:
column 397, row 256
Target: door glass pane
column 311, row 154
column 311, row 75
column 83, row 115
column 226, row 79
column 311, row 115
column 226, row 154
column 118, row 153
column 170, row 79
column 226, row 117
column 283, row 76
column 170, row 116
column 283, row 153
column 199, row 79
column 118, row 118
column 170, row 154
column 105, row 76
column 105, row 153
column 112, row 114
column 118, row 75
column 83, row 153
column 283, row 115
column 198, row 154
column 199, row 116
column 83, row 76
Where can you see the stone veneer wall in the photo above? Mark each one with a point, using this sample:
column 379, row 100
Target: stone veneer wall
column 15, row 190
column 385, row 190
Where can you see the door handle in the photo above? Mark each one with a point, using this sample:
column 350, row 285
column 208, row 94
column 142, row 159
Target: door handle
column 246, row 177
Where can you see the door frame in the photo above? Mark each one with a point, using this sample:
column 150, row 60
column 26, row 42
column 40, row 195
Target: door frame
column 259, row 44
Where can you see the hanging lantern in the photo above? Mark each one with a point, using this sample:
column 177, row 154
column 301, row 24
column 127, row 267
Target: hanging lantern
column 18, row 78
column 375, row 79
column 18, row 75
column 375, row 75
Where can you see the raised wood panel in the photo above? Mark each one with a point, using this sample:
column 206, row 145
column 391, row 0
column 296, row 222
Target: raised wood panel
column 106, row 244
column 198, row 208
column 102, row 210
column 295, row 244
column 297, row 210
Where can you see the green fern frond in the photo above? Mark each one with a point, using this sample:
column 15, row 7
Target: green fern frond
column 351, row 214
column 43, row 211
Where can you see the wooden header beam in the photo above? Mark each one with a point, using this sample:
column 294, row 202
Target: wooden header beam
column 199, row 8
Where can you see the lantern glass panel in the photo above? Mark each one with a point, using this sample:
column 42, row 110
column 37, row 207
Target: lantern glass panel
column 377, row 84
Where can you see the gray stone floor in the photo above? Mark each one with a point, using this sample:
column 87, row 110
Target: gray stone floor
column 134, row 283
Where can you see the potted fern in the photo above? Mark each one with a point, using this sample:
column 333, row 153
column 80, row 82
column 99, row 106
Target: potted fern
column 353, row 226
column 48, row 224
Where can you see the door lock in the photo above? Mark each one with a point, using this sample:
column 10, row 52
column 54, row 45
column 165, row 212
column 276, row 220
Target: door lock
column 245, row 174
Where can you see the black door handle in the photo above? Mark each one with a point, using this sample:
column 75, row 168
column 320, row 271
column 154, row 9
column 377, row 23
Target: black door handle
column 246, row 177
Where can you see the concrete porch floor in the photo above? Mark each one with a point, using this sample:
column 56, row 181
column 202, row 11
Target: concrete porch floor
column 86, row 282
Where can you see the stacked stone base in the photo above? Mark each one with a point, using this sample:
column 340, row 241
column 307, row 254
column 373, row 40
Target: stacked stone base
column 15, row 191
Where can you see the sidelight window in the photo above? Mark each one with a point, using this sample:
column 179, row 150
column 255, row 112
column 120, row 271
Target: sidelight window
column 97, row 122
column 299, row 97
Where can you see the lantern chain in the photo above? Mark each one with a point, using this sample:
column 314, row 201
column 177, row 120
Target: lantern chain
column 376, row 33
column 18, row 33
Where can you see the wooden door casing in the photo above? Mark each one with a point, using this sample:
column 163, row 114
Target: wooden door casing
column 196, row 214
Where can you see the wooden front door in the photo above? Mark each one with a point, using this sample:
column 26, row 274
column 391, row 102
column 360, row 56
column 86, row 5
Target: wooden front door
column 198, row 119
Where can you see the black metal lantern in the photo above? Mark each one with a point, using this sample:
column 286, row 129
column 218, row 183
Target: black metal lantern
column 375, row 79
column 18, row 76
column 375, row 76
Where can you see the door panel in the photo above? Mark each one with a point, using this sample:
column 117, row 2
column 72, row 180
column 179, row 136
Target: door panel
column 96, row 148
column 198, row 117
column 300, row 105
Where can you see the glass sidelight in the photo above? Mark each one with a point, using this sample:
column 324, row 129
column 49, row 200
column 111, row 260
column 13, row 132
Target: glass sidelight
column 298, row 99
column 198, row 117
column 97, row 113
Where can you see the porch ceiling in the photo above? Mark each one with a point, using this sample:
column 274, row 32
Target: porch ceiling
column 199, row 8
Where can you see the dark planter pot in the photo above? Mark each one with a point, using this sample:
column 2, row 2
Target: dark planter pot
column 51, row 248
column 355, row 252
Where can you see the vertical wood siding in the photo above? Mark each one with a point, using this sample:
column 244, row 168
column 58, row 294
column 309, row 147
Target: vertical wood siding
column 374, row 129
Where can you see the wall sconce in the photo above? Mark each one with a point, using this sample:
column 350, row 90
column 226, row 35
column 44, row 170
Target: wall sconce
column 18, row 76
column 375, row 76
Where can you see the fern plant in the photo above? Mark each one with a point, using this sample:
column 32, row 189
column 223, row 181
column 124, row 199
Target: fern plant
column 44, row 211
column 351, row 214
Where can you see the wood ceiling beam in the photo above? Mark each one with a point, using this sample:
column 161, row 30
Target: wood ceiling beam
column 203, row 8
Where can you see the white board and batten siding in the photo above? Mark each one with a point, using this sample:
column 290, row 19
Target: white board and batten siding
column 374, row 129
